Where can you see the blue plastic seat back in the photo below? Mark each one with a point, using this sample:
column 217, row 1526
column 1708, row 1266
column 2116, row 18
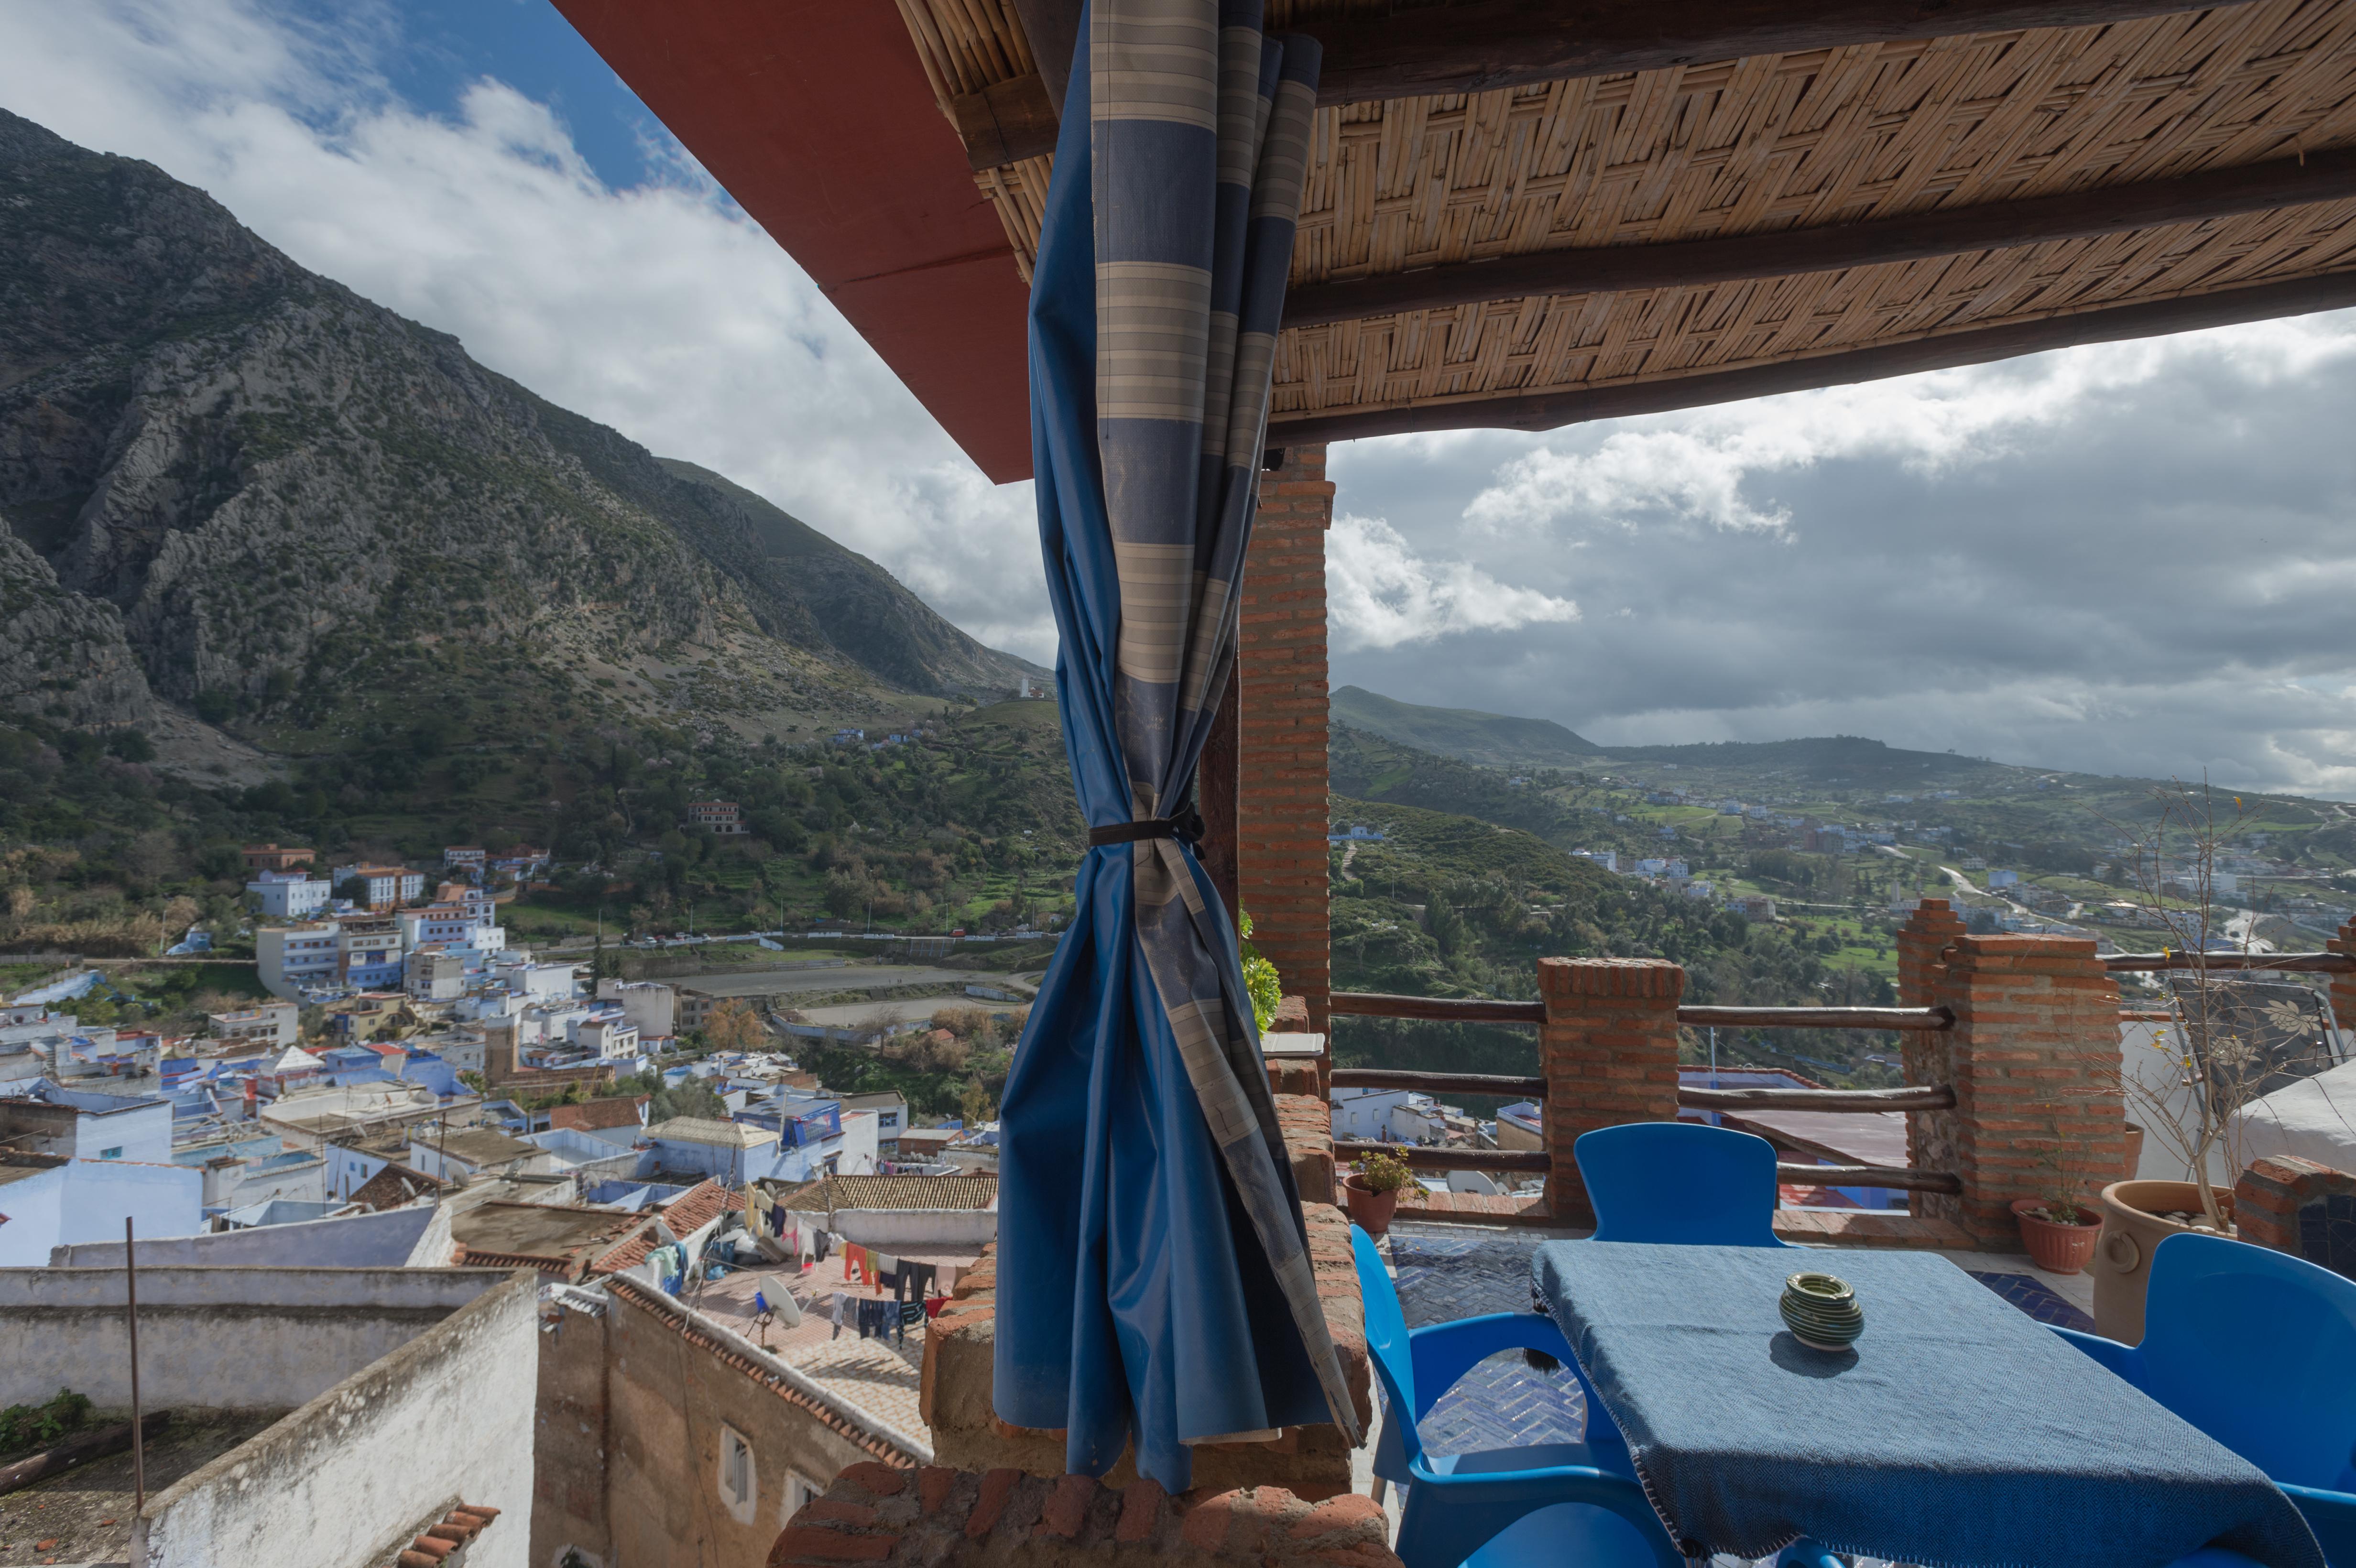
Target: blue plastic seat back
column 1679, row 1182
column 1386, row 1342
column 2258, row 1349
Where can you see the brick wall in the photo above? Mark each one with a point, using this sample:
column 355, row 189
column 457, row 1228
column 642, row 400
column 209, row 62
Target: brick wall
column 2034, row 1061
column 1609, row 1051
column 2300, row 1207
column 1282, row 770
column 943, row 1518
column 2343, row 988
column 960, row 1348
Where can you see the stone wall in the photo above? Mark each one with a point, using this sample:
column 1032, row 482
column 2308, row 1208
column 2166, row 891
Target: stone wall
column 348, row 1480
column 1281, row 730
column 943, row 1518
column 674, row 1381
column 570, row 1432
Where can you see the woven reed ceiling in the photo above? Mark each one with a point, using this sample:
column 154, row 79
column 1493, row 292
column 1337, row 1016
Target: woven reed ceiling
column 1752, row 146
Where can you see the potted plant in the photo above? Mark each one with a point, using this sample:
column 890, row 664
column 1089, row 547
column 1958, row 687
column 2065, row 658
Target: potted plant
column 2188, row 1083
column 2058, row 1231
column 1372, row 1189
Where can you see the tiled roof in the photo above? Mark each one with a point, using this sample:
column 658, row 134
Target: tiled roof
column 703, row 1130
column 627, row 1254
column 445, row 1545
column 698, row 1206
column 834, row 1192
column 394, row 1186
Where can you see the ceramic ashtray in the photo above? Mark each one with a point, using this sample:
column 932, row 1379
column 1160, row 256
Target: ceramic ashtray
column 1822, row 1311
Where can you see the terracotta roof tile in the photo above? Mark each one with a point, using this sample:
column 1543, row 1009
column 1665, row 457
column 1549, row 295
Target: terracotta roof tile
column 698, row 1206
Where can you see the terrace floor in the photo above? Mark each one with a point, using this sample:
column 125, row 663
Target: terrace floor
column 1446, row 1272
column 881, row 1376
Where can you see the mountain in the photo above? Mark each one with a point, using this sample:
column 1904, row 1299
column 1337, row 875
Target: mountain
column 232, row 486
column 1463, row 732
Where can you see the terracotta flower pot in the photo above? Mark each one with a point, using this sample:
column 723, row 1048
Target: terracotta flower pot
column 2051, row 1245
column 2131, row 1227
column 1369, row 1210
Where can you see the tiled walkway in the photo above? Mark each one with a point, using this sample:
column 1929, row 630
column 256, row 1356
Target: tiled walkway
column 1446, row 1272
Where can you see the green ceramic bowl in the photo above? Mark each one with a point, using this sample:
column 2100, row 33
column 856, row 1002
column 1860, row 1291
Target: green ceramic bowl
column 1822, row 1312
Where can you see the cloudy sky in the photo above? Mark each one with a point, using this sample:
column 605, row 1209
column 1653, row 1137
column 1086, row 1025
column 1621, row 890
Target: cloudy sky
column 2134, row 558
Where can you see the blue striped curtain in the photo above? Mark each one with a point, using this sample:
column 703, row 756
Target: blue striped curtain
column 1154, row 1282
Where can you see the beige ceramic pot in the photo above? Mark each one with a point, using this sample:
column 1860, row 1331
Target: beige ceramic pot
column 2131, row 1227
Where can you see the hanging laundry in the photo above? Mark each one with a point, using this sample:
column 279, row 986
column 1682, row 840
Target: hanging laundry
column 933, row 1304
column 854, row 1262
column 839, row 1297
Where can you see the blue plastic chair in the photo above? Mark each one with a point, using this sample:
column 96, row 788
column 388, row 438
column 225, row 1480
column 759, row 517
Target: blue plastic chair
column 1680, row 1182
column 1557, row 1503
column 2257, row 1348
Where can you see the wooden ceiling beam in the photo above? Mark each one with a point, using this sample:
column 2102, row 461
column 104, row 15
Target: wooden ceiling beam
column 1920, row 236
column 1977, row 345
column 1488, row 44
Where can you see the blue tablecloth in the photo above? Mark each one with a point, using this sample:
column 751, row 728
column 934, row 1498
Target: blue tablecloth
column 1957, row 1433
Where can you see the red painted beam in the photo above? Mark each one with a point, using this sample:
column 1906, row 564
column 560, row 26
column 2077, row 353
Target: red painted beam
column 816, row 116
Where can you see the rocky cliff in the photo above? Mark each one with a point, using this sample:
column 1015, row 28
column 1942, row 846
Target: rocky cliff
column 229, row 485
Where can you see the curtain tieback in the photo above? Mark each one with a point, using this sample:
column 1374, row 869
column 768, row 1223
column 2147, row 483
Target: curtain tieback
column 1186, row 830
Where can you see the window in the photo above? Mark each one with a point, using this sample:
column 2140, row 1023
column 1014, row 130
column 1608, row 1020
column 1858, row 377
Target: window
column 738, row 1487
column 114, row 1153
column 799, row 1489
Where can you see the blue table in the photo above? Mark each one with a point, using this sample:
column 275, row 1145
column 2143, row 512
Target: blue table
column 1956, row 1434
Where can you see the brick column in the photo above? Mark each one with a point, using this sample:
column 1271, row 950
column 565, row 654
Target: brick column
column 1282, row 771
column 1609, row 1051
column 1922, row 963
column 2299, row 1207
column 2342, row 989
column 2034, row 1060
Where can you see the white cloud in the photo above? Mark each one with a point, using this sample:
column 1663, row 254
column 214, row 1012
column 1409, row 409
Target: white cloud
column 1704, row 465
column 661, row 310
column 1380, row 594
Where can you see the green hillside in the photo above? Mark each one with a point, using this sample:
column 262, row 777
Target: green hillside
column 1460, row 731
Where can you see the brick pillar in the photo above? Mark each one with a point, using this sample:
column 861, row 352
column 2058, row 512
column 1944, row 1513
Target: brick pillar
column 1609, row 1051
column 2034, row 1060
column 2300, row 1207
column 1922, row 963
column 2342, row 989
column 1281, row 772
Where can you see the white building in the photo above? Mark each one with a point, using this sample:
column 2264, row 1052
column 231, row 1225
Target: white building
column 53, row 1202
column 50, row 1120
column 272, row 1024
column 288, row 895
column 295, row 958
column 608, row 1036
column 1384, row 1116
column 537, row 980
column 649, row 1004
column 2004, row 880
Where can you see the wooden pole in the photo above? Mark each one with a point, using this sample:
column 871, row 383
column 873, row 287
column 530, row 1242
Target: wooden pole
column 138, row 1434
